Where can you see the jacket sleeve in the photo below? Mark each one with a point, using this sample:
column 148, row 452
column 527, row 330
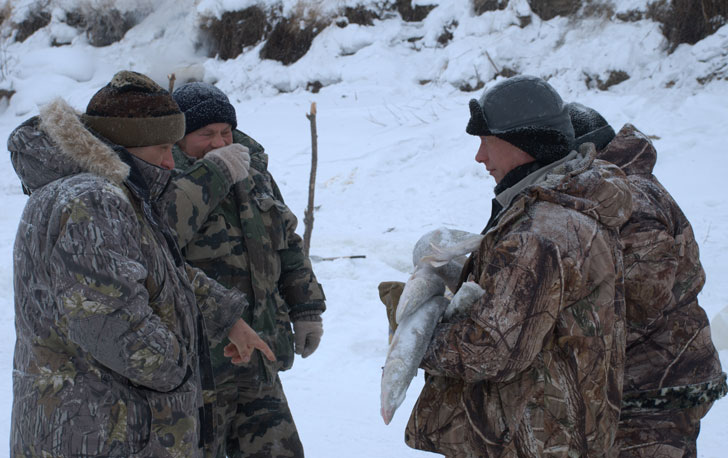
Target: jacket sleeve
column 506, row 328
column 98, row 280
column 192, row 195
column 299, row 287
column 220, row 307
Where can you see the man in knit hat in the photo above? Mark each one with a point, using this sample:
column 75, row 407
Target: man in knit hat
column 672, row 371
column 246, row 239
column 111, row 356
column 534, row 367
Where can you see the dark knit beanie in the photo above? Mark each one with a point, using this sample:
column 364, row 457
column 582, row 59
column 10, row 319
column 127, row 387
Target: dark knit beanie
column 132, row 110
column 528, row 113
column 589, row 126
column 204, row 104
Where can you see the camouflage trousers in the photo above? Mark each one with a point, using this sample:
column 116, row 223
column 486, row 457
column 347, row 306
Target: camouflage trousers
column 254, row 424
column 669, row 434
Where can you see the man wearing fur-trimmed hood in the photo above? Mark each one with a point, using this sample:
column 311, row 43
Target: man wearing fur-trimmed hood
column 534, row 367
column 111, row 355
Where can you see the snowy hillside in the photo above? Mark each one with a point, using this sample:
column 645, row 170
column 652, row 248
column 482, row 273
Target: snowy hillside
column 394, row 159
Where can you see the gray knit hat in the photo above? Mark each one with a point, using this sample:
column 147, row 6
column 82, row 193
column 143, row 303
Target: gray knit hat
column 132, row 110
column 527, row 112
column 203, row 104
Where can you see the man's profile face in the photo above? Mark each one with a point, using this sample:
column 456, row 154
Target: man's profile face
column 205, row 139
column 500, row 157
column 159, row 155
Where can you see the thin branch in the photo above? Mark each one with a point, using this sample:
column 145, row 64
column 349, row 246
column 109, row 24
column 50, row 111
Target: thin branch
column 308, row 214
column 497, row 72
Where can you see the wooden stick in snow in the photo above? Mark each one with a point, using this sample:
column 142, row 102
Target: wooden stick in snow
column 308, row 214
column 171, row 77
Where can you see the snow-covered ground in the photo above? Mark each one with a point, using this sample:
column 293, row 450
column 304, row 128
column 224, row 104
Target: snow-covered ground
column 395, row 162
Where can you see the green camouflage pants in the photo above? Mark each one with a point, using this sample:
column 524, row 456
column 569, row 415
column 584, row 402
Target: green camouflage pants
column 254, row 424
column 670, row 434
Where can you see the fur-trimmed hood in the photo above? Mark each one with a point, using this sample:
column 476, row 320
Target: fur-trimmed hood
column 56, row 144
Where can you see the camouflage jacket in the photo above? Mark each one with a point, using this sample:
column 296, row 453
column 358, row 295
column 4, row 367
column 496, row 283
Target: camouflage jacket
column 246, row 239
column 671, row 360
column 111, row 356
column 535, row 368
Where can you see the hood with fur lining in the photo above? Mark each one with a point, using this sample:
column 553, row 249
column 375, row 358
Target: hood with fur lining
column 56, row 144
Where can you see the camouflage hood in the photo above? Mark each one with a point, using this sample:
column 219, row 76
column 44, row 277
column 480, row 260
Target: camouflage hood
column 633, row 153
column 36, row 145
column 573, row 182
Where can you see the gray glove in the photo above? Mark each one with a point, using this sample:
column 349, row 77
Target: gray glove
column 235, row 158
column 463, row 300
column 307, row 335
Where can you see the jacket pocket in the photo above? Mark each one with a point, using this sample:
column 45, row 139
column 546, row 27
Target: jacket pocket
column 271, row 212
column 174, row 422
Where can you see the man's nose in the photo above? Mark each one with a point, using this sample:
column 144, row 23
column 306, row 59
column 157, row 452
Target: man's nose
column 167, row 160
column 482, row 155
column 218, row 141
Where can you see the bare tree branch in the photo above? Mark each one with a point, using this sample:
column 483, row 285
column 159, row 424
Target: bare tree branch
column 308, row 214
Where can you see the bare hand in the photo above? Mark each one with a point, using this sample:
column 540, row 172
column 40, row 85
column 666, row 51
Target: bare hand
column 243, row 341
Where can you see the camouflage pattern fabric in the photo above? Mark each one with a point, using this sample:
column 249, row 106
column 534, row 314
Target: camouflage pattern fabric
column 110, row 357
column 672, row 363
column 246, row 239
column 259, row 423
column 661, row 434
column 535, row 369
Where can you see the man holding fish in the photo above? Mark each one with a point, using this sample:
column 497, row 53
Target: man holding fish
column 532, row 364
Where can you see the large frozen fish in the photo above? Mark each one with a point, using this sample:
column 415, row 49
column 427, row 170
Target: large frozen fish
column 424, row 284
column 438, row 257
column 406, row 351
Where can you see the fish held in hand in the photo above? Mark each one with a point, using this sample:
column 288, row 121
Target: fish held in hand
column 421, row 286
column 408, row 346
column 438, row 257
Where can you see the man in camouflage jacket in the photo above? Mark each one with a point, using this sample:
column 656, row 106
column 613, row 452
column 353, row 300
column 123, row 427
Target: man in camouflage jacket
column 246, row 239
column 111, row 355
column 534, row 368
column 672, row 371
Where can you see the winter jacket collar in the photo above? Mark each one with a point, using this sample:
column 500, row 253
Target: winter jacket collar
column 516, row 175
column 572, row 182
column 506, row 197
